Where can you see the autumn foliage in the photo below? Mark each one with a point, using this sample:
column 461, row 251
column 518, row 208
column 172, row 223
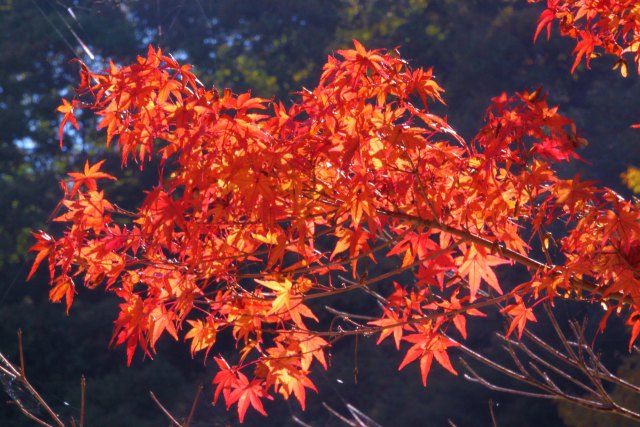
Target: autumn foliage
column 598, row 26
column 263, row 213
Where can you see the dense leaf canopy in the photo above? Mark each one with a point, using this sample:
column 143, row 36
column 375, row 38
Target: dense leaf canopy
column 262, row 207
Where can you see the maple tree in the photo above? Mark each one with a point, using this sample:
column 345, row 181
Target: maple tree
column 261, row 210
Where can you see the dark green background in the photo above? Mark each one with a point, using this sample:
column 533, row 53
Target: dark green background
column 478, row 49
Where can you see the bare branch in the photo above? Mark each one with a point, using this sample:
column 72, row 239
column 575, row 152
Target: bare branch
column 164, row 410
column 20, row 376
column 83, row 385
column 339, row 416
column 193, row 406
column 578, row 357
column 525, row 349
column 494, row 423
column 29, row 415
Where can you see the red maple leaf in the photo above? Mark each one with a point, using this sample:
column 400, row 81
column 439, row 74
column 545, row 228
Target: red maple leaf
column 89, row 176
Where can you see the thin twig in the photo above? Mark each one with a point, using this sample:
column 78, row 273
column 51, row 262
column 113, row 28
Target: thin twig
column 83, row 385
column 521, row 346
column 29, row 415
column 516, row 360
column 22, row 371
column 25, row 382
column 494, row 423
column 339, row 416
column 506, row 371
column 164, row 410
column 193, row 406
column 559, row 333
column 300, row 422
column 361, row 417
column 345, row 315
column 475, row 377
column 580, row 356
column 590, row 372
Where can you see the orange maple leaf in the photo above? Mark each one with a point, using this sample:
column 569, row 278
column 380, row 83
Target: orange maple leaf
column 427, row 346
column 63, row 288
column 67, row 109
column 390, row 324
column 634, row 322
column 521, row 314
column 476, row 265
column 246, row 393
column 89, row 176
column 203, row 335
column 45, row 248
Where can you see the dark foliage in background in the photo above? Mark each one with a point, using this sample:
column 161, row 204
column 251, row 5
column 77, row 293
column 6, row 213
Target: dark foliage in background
column 478, row 49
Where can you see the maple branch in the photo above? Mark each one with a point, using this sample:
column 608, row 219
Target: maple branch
column 469, row 236
column 368, row 330
column 83, row 384
column 525, row 349
column 358, row 418
column 29, row 415
column 551, row 391
column 279, row 188
column 164, row 410
column 325, row 266
column 379, row 298
column 414, row 172
column 582, row 284
column 345, row 315
column 193, row 406
column 494, row 423
column 339, row 416
column 173, row 420
column 602, row 371
column 21, row 352
column 298, row 421
column 577, row 355
column 475, row 377
column 19, row 375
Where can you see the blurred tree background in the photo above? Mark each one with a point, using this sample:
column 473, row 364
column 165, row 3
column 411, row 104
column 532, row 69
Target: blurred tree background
column 478, row 48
